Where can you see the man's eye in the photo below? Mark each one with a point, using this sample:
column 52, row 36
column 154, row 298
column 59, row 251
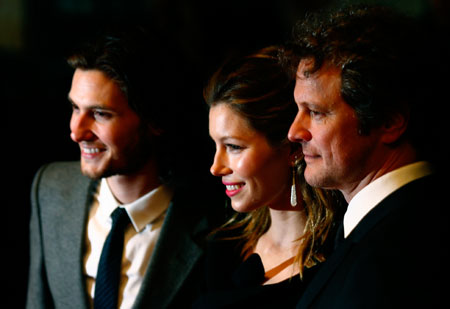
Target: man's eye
column 315, row 114
column 98, row 114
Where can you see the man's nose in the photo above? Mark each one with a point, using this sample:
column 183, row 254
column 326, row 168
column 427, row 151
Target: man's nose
column 80, row 127
column 298, row 132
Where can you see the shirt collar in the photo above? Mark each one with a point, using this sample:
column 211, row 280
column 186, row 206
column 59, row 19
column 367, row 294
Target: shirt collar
column 372, row 194
column 145, row 210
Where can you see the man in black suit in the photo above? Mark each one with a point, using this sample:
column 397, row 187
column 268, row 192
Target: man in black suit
column 364, row 97
column 126, row 121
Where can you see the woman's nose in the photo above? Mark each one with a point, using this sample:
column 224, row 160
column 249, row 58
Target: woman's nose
column 219, row 166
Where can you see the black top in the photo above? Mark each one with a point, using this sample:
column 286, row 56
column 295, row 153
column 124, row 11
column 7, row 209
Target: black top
column 231, row 283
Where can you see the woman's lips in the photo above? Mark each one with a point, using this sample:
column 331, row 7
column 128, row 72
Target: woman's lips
column 233, row 188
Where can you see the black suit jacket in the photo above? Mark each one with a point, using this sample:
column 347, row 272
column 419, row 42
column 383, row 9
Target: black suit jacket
column 396, row 257
column 61, row 199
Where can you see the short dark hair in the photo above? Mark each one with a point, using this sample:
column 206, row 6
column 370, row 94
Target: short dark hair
column 141, row 62
column 137, row 59
column 382, row 57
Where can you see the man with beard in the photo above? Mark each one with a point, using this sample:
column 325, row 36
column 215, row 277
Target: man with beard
column 123, row 122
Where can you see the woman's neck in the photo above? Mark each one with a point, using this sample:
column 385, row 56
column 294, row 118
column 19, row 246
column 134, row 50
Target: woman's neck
column 281, row 243
column 286, row 227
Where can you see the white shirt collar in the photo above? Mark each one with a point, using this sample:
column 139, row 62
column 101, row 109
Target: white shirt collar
column 372, row 194
column 143, row 211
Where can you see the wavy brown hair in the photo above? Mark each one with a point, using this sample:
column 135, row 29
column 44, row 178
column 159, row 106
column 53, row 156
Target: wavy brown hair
column 257, row 87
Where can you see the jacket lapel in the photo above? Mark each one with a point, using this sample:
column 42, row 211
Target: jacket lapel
column 175, row 255
column 387, row 206
column 324, row 274
column 65, row 231
column 343, row 248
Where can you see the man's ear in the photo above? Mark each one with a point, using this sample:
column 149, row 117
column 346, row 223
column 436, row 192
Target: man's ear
column 394, row 128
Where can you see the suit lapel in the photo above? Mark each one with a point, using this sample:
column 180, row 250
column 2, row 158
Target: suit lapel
column 342, row 250
column 387, row 206
column 82, row 212
column 67, row 191
column 175, row 255
column 325, row 272
column 73, row 228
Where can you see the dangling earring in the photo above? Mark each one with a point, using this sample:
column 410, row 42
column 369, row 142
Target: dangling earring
column 293, row 187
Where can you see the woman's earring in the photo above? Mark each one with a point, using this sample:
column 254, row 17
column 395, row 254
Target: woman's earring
column 293, row 188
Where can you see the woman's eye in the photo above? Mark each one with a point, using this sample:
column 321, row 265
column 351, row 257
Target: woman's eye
column 233, row 147
column 74, row 108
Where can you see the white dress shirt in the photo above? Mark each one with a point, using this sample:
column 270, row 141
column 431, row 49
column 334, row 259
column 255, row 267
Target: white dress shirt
column 372, row 194
column 147, row 216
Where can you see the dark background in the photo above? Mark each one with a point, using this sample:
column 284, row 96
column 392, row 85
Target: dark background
column 36, row 35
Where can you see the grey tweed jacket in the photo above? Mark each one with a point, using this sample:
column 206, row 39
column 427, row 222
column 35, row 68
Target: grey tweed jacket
column 61, row 198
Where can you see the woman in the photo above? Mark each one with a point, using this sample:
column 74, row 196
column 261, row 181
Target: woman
column 267, row 252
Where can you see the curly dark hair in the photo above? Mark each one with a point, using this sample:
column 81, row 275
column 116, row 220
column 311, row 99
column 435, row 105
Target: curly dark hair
column 383, row 57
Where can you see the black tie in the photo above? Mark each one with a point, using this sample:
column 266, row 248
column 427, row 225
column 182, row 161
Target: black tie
column 108, row 273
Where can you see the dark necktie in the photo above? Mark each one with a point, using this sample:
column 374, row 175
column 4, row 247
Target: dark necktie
column 108, row 273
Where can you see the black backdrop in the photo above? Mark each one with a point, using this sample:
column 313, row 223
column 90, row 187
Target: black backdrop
column 35, row 80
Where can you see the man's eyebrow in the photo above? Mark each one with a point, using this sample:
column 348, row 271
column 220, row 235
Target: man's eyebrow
column 91, row 107
column 310, row 105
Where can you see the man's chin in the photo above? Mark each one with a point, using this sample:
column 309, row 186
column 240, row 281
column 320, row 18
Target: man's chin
column 320, row 180
column 94, row 174
column 313, row 178
column 97, row 170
